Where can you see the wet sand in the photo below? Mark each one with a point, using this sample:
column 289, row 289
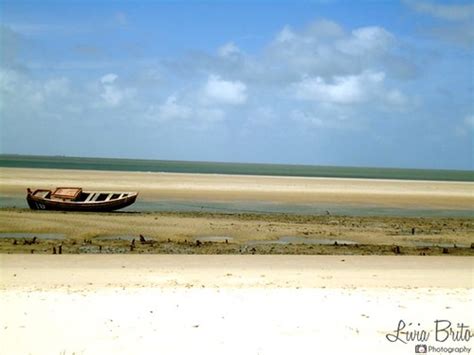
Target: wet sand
column 226, row 304
column 203, row 233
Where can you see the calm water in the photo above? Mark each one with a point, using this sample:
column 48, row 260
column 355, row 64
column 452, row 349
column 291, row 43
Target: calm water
column 56, row 162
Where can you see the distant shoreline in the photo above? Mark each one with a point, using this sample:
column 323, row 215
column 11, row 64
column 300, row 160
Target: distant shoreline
column 287, row 170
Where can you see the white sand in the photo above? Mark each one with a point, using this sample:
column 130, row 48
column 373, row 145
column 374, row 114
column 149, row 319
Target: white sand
column 226, row 304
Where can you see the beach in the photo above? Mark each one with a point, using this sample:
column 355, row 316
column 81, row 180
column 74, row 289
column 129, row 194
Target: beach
column 334, row 284
column 90, row 304
column 236, row 232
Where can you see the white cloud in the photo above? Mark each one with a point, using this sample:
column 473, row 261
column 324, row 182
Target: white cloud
column 319, row 68
column 307, row 118
column 348, row 89
column 210, row 115
column 18, row 91
column 285, row 35
column 228, row 50
column 316, row 31
column 264, row 115
column 9, row 79
column 367, row 40
column 469, row 121
column 461, row 29
column 171, row 110
column 108, row 78
column 325, row 49
column 25, row 100
column 451, row 12
column 219, row 91
column 190, row 114
column 395, row 98
column 111, row 94
column 57, row 86
column 466, row 126
column 32, row 29
column 324, row 29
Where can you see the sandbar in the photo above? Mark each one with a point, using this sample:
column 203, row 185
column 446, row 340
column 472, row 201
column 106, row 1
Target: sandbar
column 152, row 186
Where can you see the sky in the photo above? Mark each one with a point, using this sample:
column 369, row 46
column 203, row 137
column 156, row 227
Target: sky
column 349, row 83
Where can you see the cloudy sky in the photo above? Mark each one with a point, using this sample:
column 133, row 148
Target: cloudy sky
column 355, row 83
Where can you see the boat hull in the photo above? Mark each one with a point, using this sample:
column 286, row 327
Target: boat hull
column 38, row 203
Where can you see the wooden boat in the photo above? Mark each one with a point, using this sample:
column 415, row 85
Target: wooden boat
column 74, row 199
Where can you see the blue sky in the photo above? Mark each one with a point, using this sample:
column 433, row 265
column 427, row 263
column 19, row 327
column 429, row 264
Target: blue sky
column 355, row 83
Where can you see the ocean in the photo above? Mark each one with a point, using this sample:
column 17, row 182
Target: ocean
column 169, row 166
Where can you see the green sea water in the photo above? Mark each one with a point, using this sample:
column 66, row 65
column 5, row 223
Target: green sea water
column 60, row 162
